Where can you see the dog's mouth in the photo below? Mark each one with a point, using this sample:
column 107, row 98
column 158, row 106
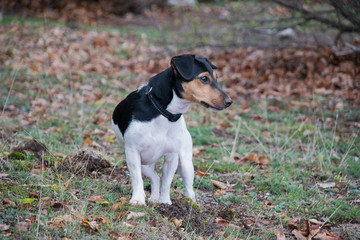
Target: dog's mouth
column 210, row 107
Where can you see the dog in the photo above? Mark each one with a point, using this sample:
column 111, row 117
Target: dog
column 149, row 123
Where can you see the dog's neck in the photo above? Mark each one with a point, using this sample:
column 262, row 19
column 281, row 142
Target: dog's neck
column 178, row 105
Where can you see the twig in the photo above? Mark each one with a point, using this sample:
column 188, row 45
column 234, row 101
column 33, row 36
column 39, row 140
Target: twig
column 311, row 237
column 232, row 154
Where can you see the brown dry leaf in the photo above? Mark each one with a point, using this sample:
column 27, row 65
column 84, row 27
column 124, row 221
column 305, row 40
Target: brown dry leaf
column 66, row 185
column 220, row 193
column 316, row 221
column 317, row 233
column 177, row 223
column 90, row 225
column 222, row 222
column 264, row 161
column 118, row 205
column 58, row 222
column 4, row 227
column 45, row 201
column 132, row 215
column 58, row 155
column 98, row 132
column 219, row 184
column 120, row 214
column 261, row 160
column 36, row 171
column 96, row 199
column 102, row 220
column 23, row 226
column 202, row 174
column 298, row 235
column 114, row 235
column 279, row 235
column 8, row 202
column 3, row 175
column 87, row 142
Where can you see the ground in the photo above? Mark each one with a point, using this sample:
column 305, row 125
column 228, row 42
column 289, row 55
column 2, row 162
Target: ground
column 282, row 161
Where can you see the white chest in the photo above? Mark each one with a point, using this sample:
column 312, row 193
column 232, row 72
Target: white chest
column 157, row 138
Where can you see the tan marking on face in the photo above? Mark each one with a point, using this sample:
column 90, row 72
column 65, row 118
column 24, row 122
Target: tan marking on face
column 197, row 92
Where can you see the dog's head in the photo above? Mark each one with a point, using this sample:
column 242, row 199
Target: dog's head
column 199, row 82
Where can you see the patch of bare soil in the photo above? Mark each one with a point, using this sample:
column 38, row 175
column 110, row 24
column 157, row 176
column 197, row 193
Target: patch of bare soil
column 348, row 231
column 33, row 146
column 91, row 163
column 191, row 216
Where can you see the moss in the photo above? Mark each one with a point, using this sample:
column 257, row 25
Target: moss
column 17, row 156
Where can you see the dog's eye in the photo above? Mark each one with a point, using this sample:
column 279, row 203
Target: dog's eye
column 204, row 79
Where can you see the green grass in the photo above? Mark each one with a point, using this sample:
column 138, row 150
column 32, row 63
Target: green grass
column 301, row 155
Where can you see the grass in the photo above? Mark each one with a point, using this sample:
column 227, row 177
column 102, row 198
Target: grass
column 63, row 115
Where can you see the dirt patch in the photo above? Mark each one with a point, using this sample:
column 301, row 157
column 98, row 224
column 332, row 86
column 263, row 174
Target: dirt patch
column 348, row 231
column 34, row 147
column 193, row 218
column 91, row 163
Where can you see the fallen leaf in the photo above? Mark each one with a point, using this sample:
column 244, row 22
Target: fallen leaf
column 132, row 215
column 26, row 200
column 316, row 221
column 90, row 225
column 261, row 160
column 128, row 225
column 298, row 235
column 118, row 205
column 35, row 171
column 219, row 184
column 55, row 187
column 3, row 175
column 8, row 202
column 102, row 220
column 87, row 142
column 326, row 185
column 279, row 235
column 4, row 227
column 66, row 185
column 58, row 222
column 222, row 222
column 22, row 227
column 114, row 235
column 203, row 174
column 97, row 199
column 177, row 223
column 58, row 155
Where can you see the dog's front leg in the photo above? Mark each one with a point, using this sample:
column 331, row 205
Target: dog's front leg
column 168, row 172
column 133, row 161
column 186, row 168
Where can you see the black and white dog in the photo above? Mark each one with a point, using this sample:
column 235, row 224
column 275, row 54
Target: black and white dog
column 149, row 124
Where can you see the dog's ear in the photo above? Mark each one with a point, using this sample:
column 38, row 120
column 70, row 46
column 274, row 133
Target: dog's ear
column 212, row 65
column 184, row 65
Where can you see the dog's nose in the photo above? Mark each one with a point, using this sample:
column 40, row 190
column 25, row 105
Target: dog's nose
column 228, row 101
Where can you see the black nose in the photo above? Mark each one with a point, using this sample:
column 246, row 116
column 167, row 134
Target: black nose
column 228, row 101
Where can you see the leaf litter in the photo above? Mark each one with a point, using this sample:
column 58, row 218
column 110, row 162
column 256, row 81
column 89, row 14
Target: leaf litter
column 247, row 73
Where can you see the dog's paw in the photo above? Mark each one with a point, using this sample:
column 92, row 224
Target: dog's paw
column 135, row 201
column 165, row 200
column 154, row 199
column 191, row 194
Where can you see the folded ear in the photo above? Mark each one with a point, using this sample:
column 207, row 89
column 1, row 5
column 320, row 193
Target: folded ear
column 212, row 65
column 184, row 65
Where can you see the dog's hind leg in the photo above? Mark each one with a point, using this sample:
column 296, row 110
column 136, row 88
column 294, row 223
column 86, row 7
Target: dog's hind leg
column 133, row 161
column 168, row 172
column 149, row 171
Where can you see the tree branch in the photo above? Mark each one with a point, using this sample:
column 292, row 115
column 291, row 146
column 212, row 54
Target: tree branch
column 314, row 16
